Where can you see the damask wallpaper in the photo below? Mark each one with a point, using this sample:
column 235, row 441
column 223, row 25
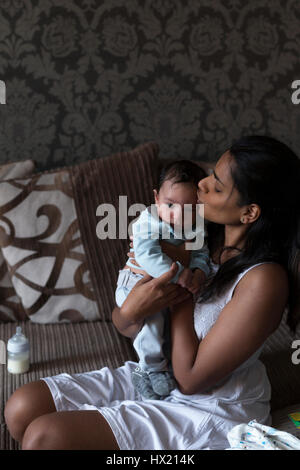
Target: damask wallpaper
column 87, row 78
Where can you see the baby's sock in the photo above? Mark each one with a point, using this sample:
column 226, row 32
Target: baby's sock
column 162, row 382
column 142, row 384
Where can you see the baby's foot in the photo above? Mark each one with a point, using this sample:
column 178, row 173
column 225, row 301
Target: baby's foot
column 162, row 382
column 142, row 384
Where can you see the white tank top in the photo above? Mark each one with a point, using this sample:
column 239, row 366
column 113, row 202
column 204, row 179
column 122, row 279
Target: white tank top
column 248, row 385
column 206, row 313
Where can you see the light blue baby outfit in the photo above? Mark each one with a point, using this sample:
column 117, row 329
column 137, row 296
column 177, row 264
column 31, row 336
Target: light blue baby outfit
column 147, row 231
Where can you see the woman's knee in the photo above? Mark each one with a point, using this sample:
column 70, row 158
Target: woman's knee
column 69, row 430
column 27, row 403
column 16, row 413
column 40, row 435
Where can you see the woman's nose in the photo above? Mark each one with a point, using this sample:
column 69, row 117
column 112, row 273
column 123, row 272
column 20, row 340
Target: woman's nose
column 202, row 184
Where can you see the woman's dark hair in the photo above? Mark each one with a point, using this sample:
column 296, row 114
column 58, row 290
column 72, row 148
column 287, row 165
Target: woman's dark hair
column 181, row 171
column 266, row 172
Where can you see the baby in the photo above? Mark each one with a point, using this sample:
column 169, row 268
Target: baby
column 174, row 212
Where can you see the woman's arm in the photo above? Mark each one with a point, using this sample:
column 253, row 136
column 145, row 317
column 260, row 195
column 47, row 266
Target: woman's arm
column 253, row 313
column 146, row 298
column 123, row 326
column 153, row 296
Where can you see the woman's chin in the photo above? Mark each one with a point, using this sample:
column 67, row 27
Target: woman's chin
column 202, row 210
column 207, row 217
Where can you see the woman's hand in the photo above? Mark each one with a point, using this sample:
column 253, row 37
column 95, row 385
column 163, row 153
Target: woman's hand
column 130, row 254
column 150, row 295
column 147, row 297
column 197, row 282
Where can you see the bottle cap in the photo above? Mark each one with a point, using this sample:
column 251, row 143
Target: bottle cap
column 18, row 342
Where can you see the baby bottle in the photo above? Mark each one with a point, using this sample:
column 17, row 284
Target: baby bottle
column 18, row 353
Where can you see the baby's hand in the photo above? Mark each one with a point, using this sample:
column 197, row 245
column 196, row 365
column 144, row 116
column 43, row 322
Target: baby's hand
column 185, row 278
column 198, row 278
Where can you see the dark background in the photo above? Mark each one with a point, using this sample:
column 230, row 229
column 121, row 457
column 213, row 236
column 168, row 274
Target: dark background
column 87, row 78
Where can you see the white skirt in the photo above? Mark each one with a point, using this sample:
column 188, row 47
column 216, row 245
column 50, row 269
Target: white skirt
column 176, row 423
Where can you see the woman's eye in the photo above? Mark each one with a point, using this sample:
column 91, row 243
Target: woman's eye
column 217, row 191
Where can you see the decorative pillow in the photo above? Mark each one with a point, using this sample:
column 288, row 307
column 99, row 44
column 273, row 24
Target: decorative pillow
column 60, row 269
column 10, row 306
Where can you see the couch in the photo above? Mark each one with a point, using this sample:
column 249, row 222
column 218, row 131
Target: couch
column 69, row 326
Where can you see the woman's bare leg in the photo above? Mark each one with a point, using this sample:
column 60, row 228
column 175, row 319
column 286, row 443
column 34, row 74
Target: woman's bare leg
column 25, row 405
column 69, row 430
column 32, row 420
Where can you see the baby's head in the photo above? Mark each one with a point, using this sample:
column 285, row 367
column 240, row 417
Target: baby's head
column 178, row 183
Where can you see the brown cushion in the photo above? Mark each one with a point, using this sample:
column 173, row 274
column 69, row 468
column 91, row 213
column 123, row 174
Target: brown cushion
column 59, row 268
column 132, row 174
column 10, row 306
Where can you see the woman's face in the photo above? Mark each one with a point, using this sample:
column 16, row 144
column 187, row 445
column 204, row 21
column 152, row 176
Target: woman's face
column 218, row 195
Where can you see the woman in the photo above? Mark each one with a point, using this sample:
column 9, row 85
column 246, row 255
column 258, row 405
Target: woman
column 250, row 202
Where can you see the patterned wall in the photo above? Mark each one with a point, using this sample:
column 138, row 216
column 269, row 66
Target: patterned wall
column 86, row 78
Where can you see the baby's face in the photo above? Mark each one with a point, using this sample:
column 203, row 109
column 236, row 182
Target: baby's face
column 176, row 203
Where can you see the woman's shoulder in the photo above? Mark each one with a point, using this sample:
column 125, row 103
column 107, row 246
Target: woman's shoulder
column 267, row 270
column 263, row 291
column 265, row 279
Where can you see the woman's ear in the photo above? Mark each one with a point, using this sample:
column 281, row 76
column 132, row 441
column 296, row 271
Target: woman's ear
column 251, row 214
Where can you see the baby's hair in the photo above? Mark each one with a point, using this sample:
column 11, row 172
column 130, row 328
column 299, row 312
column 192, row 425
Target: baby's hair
column 181, row 171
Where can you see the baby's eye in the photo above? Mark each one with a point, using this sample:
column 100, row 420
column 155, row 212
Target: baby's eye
column 217, row 191
column 170, row 204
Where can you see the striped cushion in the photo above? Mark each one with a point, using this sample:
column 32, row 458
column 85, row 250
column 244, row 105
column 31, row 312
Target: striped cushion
column 130, row 174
